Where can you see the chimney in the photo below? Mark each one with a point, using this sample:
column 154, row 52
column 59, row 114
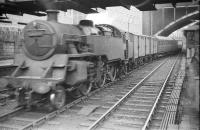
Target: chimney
column 52, row 15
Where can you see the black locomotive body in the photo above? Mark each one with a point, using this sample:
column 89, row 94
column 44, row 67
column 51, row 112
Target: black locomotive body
column 75, row 58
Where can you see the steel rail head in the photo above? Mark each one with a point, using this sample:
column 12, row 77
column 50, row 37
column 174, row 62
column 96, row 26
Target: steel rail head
column 158, row 97
column 108, row 112
column 170, row 110
column 10, row 113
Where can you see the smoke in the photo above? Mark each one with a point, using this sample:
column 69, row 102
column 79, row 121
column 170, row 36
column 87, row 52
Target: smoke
column 100, row 18
column 48, row 4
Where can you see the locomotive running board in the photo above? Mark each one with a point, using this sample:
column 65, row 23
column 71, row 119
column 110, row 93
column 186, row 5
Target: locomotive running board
column 80, row 55
column 31, row 78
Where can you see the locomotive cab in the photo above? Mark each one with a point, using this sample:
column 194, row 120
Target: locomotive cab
column 88, row 28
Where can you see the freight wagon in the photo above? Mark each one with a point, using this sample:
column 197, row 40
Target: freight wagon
column 167, row 46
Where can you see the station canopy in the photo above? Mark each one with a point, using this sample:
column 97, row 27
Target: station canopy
column 37, row 7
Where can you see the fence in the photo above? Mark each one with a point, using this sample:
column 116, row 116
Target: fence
column 11, row 39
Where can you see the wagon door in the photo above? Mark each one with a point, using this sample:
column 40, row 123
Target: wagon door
column 155, row 46
column 141, row 46
column 152, row 46
column 159, row 46
column 166, row 45
column 130, row 45
column 136, row 46
column 148, row 47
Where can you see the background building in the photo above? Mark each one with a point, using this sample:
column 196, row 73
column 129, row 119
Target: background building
column 69, row 17
column 124, row 19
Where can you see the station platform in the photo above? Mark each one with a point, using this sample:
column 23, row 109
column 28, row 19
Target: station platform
column 190, row 101
column 190, row 98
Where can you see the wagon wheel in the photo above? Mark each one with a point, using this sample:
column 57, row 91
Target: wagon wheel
column 141, row 61
column 122, row 71
column 85, row 88
column 58, row 97
column 130, row 66
column 125, row 68
column 112, row 73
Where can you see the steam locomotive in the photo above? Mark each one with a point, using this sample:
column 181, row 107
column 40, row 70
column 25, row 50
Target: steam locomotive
column 61, row 59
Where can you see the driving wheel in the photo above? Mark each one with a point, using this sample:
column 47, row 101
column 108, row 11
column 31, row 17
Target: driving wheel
column 85, row 88
column 112, row 72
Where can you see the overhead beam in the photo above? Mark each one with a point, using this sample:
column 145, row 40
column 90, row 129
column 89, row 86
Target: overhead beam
column 145, row 2
column 183, row 21
column 178, row 5
column 146, row 5
column 174, row 3
column 84, row 6
column 74, row 5
column 123, row 4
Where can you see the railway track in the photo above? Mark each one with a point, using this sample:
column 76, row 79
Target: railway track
column 93, row 108
column 128, row 112
column 164, row 102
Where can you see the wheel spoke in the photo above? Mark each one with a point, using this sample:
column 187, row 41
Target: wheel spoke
column 112, row 73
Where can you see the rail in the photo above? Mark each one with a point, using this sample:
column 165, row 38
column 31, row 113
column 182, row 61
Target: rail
column 5, row 115
column 158, row 97
column 172, row 107
column 95, row 124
